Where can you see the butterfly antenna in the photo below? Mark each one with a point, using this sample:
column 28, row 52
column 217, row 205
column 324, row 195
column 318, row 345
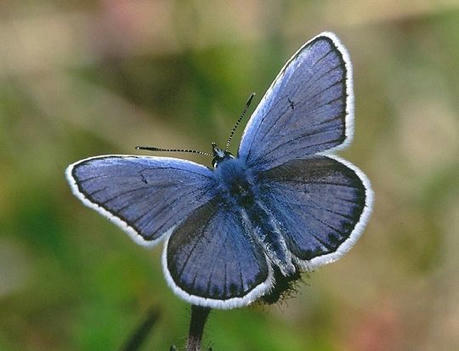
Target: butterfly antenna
column 247, row 104
column 153, row 148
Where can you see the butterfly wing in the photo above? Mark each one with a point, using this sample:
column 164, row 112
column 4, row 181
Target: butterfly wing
column 145, row 196
column 322, row 205
column 307, row 109
column 209, row 259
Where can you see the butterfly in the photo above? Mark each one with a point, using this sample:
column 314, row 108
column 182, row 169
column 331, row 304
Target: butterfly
column 236, row 231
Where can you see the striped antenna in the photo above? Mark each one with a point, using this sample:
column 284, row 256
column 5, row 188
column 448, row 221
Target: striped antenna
column 247, row 104
column 153, row 148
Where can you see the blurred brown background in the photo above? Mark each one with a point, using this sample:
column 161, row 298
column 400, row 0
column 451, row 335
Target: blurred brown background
column 82, row 78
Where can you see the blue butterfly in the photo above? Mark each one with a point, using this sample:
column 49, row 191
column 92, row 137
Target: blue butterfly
column 285, row 204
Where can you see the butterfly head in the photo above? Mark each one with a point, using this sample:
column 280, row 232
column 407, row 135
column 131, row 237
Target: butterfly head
column 219, row 155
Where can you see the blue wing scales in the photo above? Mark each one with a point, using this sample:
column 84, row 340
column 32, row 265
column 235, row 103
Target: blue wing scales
column 321, row 204
column 209, row 259
column 145, row 196
column 308, row 108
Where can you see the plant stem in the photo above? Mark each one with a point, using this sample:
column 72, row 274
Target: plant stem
column 140, row 334
column 198, row 320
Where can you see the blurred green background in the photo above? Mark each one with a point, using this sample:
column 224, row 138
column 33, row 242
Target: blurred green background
column 83, row 78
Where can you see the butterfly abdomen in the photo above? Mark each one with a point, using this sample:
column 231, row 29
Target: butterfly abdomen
column 268, row 233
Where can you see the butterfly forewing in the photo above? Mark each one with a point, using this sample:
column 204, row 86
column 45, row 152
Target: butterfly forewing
column 308, row 108
column 145, row 196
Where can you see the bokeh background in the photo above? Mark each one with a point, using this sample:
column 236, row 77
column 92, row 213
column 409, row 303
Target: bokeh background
column 83, row 78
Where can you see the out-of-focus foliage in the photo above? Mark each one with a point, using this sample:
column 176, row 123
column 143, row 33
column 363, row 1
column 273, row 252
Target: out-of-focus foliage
column 82, row 78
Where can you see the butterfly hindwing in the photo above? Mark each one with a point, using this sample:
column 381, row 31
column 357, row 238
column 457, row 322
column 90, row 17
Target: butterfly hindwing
column 321, row 204
column 145, row 196
column 210, row 259
column 307, row 109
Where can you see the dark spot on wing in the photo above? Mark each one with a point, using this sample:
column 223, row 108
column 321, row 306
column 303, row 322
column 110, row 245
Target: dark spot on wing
column 143, row 178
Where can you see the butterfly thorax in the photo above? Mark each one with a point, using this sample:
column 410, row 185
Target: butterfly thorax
column 235, row 182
